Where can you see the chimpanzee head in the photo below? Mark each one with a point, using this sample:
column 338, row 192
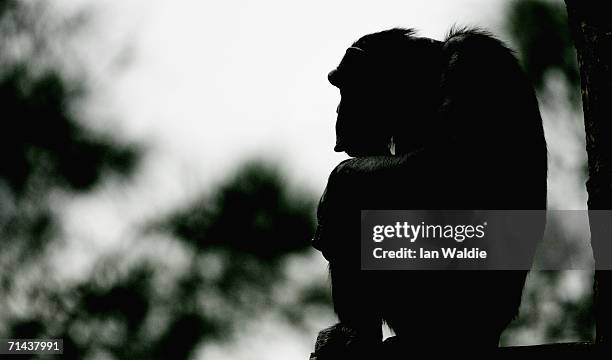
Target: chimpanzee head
column 388, row 84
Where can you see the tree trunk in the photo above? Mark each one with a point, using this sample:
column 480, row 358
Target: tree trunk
column 592, row 32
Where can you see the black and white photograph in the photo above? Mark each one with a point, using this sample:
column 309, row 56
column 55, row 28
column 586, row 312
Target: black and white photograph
column 315, row 180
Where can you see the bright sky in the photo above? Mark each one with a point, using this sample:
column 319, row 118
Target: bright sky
column 209, row 84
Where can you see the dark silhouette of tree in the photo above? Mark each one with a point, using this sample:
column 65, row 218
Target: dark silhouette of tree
column 592, row 33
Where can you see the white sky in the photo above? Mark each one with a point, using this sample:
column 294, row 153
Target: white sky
column 210, row 84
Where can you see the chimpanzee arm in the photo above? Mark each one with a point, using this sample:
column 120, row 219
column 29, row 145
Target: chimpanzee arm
column 355, row 184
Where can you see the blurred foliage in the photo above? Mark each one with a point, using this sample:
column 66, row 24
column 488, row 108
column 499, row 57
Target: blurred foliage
column 235, row 240
column 252, row 214
column 42, row 142
column 543, row 40
column 147, row 310
column 44, row 145
column 552, row 313
column 46, row 148
column 240, row 236
column 540, row 32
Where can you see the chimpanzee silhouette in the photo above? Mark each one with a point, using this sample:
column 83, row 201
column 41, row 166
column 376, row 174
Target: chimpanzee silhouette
column 450, row 124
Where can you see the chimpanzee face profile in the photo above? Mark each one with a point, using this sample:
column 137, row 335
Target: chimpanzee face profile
column 358, row 123
column 386, row 93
